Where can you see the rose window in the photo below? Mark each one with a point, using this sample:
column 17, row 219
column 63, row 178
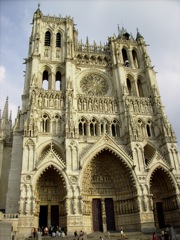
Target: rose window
column 94, row 84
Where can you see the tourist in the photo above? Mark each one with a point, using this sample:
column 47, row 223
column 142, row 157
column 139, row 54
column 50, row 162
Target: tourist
column 122, row 233
column 34, row 232
column 75, row 235
column 154, row 236
column 81, row 235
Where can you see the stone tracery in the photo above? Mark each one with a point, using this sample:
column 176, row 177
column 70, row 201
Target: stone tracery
column 94, row 84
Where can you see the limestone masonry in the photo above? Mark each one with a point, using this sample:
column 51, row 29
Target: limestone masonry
column 91, row 148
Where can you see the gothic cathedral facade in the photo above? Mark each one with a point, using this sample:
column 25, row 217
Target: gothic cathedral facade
column 91, row 148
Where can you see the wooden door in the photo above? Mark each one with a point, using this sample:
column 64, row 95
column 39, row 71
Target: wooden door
column 160, row 214
column 97, row 215
column 43, row 216
column 110, row 220
column 55, row 215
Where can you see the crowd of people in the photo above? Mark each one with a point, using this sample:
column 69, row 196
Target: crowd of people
column 57, row 231
column 51, row 231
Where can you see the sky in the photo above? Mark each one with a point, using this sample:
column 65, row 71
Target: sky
column 158, row 21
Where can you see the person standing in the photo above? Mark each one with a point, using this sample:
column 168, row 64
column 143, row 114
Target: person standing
column 154, row 236
column 122, row 233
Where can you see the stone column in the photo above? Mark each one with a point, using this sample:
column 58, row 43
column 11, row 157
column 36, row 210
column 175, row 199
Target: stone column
column 103, row 215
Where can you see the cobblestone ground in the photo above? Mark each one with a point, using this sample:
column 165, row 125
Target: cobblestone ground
column 116, row 236
column 96, row 236
column 113, row 236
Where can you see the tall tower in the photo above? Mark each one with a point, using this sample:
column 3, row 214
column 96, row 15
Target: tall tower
column 92, row 147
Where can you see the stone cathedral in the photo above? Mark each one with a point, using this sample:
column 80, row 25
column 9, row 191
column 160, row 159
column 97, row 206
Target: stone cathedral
column 91, row 148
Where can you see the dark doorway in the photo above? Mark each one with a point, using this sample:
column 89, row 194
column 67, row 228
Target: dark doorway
column 97, row 215
column 43, row 216
column 109, row 206
column 160, row 214
column 55, row 215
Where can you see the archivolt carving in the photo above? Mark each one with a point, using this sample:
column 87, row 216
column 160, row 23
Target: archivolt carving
column 50, row 185
column 161, row 184
column 107, row 175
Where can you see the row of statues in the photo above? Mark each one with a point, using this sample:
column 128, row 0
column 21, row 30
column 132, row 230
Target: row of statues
column 97, row 104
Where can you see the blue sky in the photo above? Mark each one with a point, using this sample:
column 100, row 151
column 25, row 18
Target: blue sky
column 157, row 21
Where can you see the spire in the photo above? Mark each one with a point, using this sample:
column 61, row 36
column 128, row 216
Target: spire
column 10, row 116
column 119, row 33
column 138, row 35
column 38, row 11
column 5, row 121
column 87, row 41
column 5, row 111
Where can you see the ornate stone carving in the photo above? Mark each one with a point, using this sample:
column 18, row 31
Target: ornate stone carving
column 94, row 84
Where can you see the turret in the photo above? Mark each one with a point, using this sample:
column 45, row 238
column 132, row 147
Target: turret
column 5, row 122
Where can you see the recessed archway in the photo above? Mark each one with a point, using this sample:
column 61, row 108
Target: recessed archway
column 164, row 197
column 108, row 191
column 50, row 193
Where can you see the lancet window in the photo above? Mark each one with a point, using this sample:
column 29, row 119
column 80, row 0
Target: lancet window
column 58, row 40
column 45, row 123
column 129, row 87
column 125, row 58
column 47, row 40
column 56, row 124
column 93, row 127
column 140, row 89
column 58, row 81
column 45, row 79
column 115, row 128
column 82, row 127
column 150, row 129
column 135, row 59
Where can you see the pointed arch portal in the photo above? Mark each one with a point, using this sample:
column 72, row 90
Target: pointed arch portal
column 165, row 202
column 108, row 191
column 50, row 196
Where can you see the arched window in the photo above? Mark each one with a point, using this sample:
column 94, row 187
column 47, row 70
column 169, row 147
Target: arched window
column 58, row 81
column 82, row 127
column 102, row 129
column 148, row 131
column 106, row 127
column 56, row 124
column 140, row 89
column 58, row 40
column 47, row 41
column 93, row 127
column 45, row 80
column 125, row 58
column 115, row 128
column 45, row 123
column 129, row 86
column 135, row 59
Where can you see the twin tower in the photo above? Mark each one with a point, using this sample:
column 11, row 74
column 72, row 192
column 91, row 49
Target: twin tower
column 91, row 148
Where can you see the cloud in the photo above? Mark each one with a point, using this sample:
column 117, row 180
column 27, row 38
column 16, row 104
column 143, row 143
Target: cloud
column 2, row 74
